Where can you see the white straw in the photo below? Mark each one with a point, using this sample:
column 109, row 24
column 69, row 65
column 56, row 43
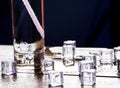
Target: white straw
column 34, row 18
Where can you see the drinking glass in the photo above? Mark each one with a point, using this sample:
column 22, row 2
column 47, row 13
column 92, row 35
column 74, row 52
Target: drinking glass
column 28, row 34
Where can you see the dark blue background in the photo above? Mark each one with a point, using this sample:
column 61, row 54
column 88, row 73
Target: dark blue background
column 5, row 22
column 86, row 21
column 92, row 23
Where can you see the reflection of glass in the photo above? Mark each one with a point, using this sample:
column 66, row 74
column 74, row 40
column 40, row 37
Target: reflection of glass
column 28, row 42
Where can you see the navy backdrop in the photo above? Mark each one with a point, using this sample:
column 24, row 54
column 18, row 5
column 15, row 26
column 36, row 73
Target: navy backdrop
column 5, row 22
column 86, row 21
column 92, row 23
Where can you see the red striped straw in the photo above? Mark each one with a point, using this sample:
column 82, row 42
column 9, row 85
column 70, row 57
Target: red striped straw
column 42, row 8
column 34, row 18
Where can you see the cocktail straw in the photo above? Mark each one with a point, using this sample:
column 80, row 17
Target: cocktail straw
column 42, row 12
column 34, row 18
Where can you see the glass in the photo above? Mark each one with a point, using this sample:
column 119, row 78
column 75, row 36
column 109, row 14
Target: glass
column 28, row 34
column 8, row 68
column 68, row 52
column 55, row 78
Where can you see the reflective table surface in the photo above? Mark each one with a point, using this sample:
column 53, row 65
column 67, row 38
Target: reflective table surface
column 71, row 76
